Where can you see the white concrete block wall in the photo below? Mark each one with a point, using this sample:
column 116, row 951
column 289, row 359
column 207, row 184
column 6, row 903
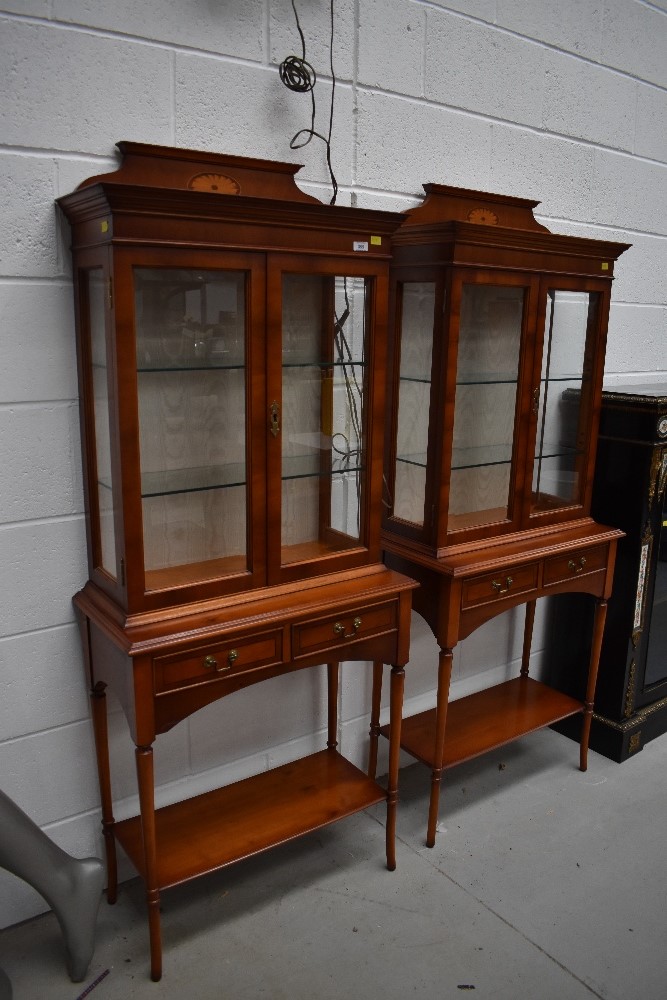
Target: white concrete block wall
column 565, row 103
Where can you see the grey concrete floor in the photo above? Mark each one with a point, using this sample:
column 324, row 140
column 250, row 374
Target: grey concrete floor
column 544, row 883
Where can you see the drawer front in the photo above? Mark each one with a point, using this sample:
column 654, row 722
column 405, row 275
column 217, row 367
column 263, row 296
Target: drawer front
column 498, row 585
column 341, row 630
column 573, row 564
column 210, row 663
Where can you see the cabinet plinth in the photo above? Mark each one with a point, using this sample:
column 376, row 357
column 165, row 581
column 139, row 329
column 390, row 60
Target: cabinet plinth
column 497, row 337
column 231, row 341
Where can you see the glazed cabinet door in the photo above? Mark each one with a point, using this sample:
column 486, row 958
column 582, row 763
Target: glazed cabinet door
column 490, row 320
column 321, row 452
column 191, row 382
column 567, row 377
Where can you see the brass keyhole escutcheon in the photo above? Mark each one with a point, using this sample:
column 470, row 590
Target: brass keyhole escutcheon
column 339, row 629
column 536, row 400
column 274, row 418
column 498, row 587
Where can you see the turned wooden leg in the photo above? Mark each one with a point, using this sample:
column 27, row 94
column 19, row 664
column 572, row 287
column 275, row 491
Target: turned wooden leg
column 144, row 760
column 598, row 630
column 395, row 714
column 333, row 673
column 527, row 637
column 444, row 678
column 98, row 701
column 376, row 698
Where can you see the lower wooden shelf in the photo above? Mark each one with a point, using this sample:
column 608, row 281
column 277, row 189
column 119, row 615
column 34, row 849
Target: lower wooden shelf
column 487, row 719
column 215, row 829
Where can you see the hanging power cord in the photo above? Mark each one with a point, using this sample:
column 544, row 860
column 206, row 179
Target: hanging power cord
column 299, row 76
column 354, row 394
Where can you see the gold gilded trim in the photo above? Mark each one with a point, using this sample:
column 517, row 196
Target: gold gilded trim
column 637, row 720
column 662, row 475
column 630, row 691
column 635, row 742
column 609, row 395
column 653, row 475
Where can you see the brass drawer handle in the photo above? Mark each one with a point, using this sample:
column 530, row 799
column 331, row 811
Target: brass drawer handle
column 498, row 587
column 577, row 567
column 212, row 663
column 339, row 629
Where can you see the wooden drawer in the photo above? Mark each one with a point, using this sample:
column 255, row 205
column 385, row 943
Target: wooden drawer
column 210, row 663
column 498, row 585
column 573, row 564
column 338, row 631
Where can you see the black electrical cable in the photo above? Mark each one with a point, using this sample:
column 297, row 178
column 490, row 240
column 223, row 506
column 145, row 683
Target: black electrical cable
column 299, row 76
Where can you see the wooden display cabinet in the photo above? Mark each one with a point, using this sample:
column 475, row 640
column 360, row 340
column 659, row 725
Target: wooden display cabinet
column 489, row 461
column 232, row 351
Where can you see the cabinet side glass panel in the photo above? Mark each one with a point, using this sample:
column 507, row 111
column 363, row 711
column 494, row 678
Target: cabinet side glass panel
column 564, row 385
column 484, row 407
column 96, row 290
column 414, row 399
column 324, row 323
column 190, row 336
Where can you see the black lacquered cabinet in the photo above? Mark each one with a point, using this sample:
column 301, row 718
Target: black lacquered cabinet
column 630, row 492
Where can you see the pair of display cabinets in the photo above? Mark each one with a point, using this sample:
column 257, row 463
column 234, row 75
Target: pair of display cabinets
column 236, row 380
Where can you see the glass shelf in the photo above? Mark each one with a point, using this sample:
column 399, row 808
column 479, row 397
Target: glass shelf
column 192, row 480
column 307, row 465
column 469, row 458
column 416, row 459
column 422, row 379
column 556, row 450
column 486, row 378
column 475, row 458
column 318, row 363
column 565, row 377
column 196, row 365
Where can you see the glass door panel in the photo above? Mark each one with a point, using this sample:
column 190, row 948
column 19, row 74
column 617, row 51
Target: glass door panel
column 95, row 285
column 489, row 349
column 656, row 653
column 321, row 416
column 190, row 334
column 417, row 308
column 565, row 378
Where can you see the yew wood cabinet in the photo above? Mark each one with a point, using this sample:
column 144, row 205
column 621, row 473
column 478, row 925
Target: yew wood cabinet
column 232, row 342
column 498, row 330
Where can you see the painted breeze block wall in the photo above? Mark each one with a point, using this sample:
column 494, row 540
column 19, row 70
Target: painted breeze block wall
column 566, row 103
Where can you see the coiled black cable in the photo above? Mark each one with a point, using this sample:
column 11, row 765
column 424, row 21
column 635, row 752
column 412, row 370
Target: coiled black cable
column 299, row 76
